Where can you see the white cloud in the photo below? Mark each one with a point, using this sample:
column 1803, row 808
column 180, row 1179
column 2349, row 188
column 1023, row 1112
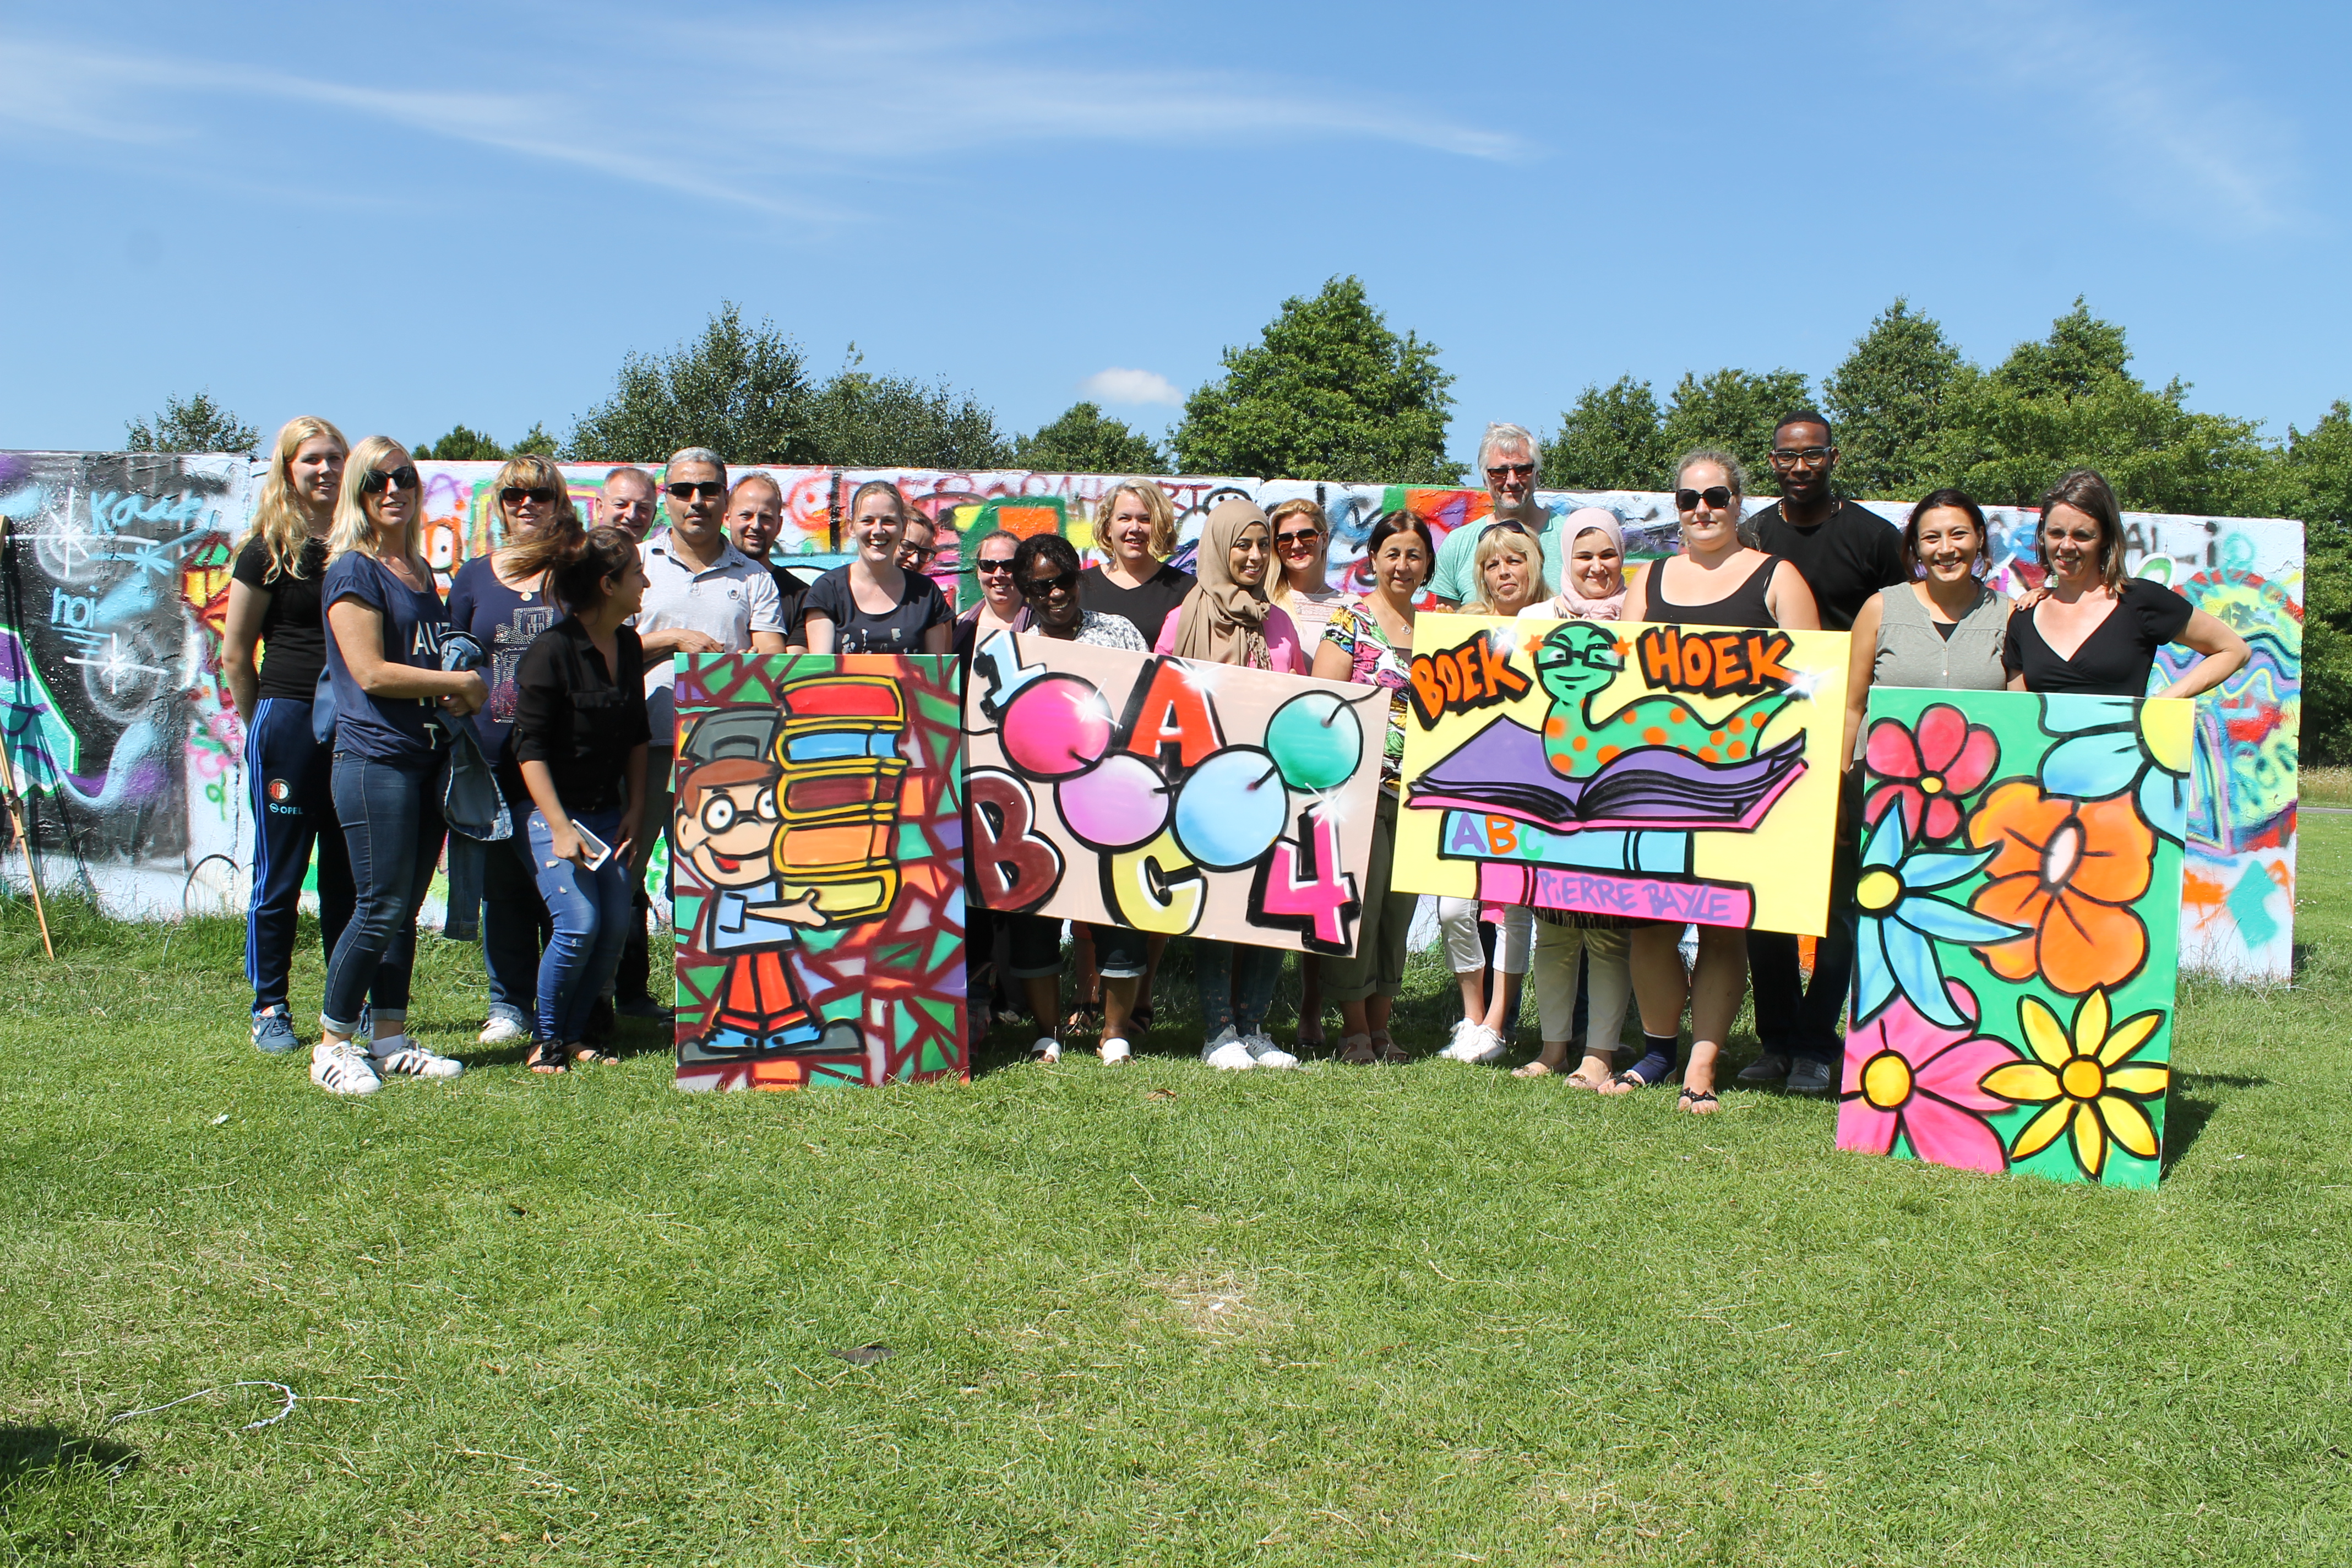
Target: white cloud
column 1117, row 385
column 2169, row 128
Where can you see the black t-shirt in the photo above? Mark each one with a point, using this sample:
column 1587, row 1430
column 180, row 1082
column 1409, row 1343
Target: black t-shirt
column 2116, row 659
column 579, row 718
column 899, row 630
column 1146, row 606
column 294, row 627
column 1845, row 558
column 789, row 593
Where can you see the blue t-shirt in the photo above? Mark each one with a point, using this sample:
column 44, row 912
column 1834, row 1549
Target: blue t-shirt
column 385, row 729
column 505, row 624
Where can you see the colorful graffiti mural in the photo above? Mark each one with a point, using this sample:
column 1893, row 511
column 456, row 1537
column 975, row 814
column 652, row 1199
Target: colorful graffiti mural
column 2020, row 879
column 819, row 872
column 95, row 539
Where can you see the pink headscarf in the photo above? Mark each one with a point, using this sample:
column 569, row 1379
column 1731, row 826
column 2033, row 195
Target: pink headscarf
column 1573, row 604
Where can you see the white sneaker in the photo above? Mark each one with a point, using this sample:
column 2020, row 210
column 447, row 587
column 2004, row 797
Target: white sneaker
column 1265, row 1053
column 1114, row 1049
column 398, row 1053
column 1481, row 1045
column 343, row 1069
column 1227, row 1053
column 500, row 1029
column 1048, row 1050
column 1452, row 1050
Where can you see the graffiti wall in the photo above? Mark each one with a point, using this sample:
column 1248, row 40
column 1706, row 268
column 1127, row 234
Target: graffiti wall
column 2238, row 896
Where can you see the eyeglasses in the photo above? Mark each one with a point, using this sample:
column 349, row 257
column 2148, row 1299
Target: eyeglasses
column 908, row 547
column 378, row 480
column 1716, row 498
column 1790, row 456
column 1512, row 470
column 685, row 489
column 538, row 495
column 1301, row 536
column 991, row 568
column 719, row 814
column 1046, row 587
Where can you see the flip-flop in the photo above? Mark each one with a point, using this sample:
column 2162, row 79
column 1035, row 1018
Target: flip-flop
column 1692, row 1098
column 546, row 1057
column 593, row 1056
column 1540, row 1069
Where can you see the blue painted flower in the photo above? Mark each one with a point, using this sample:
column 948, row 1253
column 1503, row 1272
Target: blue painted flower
column 1901, row 924
column 2112, row 745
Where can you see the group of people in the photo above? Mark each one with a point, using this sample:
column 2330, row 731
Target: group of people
column 549, row 666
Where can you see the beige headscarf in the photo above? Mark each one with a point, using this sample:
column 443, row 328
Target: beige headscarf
column 1222, row 622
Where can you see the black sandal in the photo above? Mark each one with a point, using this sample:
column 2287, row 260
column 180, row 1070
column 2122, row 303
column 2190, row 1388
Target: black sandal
column 589, row 1055
column 1632, row 1077
column 546, row 1057
column 1691, row 1096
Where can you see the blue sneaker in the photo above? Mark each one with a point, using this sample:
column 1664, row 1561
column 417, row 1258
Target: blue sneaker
column 273, row 1033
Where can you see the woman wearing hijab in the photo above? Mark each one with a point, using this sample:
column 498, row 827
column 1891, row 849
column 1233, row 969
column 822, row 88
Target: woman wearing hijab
column 1571, row 944
column 1227, row 620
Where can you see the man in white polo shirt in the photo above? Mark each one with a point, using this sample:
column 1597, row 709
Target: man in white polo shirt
column 702, row 595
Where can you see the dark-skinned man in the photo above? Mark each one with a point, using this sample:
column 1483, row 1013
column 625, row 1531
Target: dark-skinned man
column 1847, row 553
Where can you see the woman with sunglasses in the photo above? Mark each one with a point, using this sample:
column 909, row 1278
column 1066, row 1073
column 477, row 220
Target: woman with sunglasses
column 998, row 609
column 385, row 624
column 874, row 605
column 1716, row 581
column 274, row 604
column 502, row 600
column 1135, row 534
column 1507, row 575
column 1302, row 556
column 1370, row 643
column 580, row 737
column 1226, row 619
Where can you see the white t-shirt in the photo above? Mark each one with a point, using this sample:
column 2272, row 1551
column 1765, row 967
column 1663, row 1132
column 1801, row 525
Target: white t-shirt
column 729, row 600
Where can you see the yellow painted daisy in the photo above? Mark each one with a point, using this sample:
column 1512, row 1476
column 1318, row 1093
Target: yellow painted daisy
column 2086, row 1082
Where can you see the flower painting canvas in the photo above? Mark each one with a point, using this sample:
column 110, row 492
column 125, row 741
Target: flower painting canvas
column 2017, row 908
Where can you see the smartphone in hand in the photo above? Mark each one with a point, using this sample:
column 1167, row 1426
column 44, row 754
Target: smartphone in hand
column 598, row 850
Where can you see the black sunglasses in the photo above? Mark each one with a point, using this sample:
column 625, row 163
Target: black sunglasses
column 1043, row 587
column 1717, row 497
column 991, row 568
column 1520, row 471
column 538, row 495
column 1300, row 536
column 687, row 490
column 378, row 480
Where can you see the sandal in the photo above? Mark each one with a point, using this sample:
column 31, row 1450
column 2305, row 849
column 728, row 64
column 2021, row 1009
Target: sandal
column 1386, row 1050
column 593, row 1056
column 1692, row 1099
column 1537, row 1068
column 1115, row 1051
column 1141, row 1018
column 1310, row 1034
column 1649, row 1070
column 546, row 1057
column 1086, row 1019
column 1356, row 1050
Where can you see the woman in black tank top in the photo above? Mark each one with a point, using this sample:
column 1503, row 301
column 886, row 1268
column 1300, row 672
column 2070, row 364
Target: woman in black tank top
column 1764, row 591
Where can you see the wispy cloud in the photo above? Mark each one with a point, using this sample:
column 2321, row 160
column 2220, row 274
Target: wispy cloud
column 1117, row 385
column 789, row 108
column 2176, row 135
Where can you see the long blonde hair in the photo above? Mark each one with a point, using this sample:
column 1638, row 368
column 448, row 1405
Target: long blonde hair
column 1278, row 592
column 279, row 521
column 1500, row 538
column 560, row 540
column 1162, row 542
column 354, row 529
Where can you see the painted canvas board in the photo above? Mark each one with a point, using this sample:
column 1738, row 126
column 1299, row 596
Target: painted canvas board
column 2019, row 902
column 1660, row 771
column 1170, row 796
column 818, row 865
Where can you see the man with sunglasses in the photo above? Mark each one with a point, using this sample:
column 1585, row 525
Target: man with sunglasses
column 1847, row 553
column 1509, row 459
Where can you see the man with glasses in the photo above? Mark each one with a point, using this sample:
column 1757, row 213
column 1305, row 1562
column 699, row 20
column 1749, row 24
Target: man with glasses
column 702, row 595
column 1847, row 553
column 755, row 517
column 627, row 502
column 1509, row 459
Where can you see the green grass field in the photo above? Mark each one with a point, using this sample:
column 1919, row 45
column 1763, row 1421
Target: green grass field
column 1147, row 1315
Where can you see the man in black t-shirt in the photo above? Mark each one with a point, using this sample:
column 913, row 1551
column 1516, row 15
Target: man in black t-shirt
column 1847, row 553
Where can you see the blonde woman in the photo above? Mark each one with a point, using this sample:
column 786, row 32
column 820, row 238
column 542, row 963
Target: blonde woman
column 385, row 626
column 274, row 604
column 1507, row 576
column 502, row 600
column 1135, row 533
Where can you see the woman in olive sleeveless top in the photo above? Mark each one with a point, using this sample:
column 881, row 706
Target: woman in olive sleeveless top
column 1943, row 630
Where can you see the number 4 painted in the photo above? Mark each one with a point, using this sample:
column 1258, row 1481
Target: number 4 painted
column 1300, row 887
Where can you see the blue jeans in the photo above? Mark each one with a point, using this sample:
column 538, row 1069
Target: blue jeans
column 1236, row 985
column 290, row 777
column 593, row 913
column 392, row 826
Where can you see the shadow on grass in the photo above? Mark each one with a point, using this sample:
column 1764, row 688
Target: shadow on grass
column 35, row 1456
column 2196, row 1096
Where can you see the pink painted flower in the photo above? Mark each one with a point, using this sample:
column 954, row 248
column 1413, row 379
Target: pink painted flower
column 1929, row 766
column 1905, row 1074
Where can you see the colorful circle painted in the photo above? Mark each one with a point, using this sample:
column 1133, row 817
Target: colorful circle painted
column 1056, row 727
column 1317, row 741
column 1232, row 808
column 1117, row 805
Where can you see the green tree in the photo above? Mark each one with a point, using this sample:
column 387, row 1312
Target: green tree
column 1329, row 393
column 197, row 424
column 1735, row 410
column 461, row 446
column 537, row 440
column 742, row 391
column 1614, row 440
column 1890, row 399
column 862, row 421
column 1085, row 440
column 2312, row 480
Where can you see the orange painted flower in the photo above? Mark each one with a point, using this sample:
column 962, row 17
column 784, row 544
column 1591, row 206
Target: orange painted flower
column 2068, row 870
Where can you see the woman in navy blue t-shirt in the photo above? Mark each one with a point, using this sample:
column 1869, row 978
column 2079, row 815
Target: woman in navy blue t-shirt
column 385, row 626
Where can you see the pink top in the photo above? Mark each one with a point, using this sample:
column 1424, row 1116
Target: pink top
column 1281, row 640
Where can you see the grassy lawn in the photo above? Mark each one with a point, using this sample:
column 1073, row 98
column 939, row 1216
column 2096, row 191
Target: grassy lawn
column 1145, row 1315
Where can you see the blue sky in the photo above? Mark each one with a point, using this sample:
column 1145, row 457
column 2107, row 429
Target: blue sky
column 404, row 216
